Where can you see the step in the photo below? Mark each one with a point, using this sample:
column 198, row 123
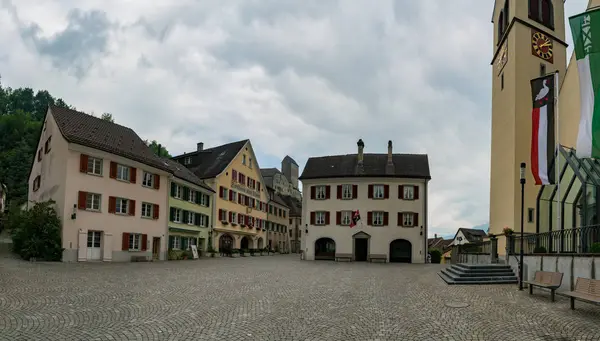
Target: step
column 451, row 281
column 459, row 273
column 469, row 270
column 479, row 279
column 484, row 266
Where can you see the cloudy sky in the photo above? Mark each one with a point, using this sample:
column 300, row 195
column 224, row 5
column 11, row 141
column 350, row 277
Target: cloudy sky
column 304, row 78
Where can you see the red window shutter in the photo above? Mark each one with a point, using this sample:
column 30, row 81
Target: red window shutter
column 220, row 214
column 113, row 171
column 83, row 163
column 415, row 219
column 370, row 191
column 385, row 219
column 416, row 191
column 233, row 175
column 230, row 216
column 354, row 191
column 156, row 181
column 327, row 192
column 313, row 218
column 144, row 242
column 370, row 218
column 399, row 218
column 131, row 207
column 327, row 217
column 400, row 192
column 258, row 183
column 132, row 175
column 81, row 202
column 339, row 191
column 386, row 191
column 338, row 218
column 125, row 242
column 313, row 192
column 112, row 204
column 155, row 211
column 221, row 188
column 230, row 195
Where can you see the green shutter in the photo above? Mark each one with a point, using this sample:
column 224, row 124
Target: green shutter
column 172, row 213
column 208, row 200
column 197, row 219
column 171, row 242
column 185, row 216
column 198, row 197
column 186, row 193
column 184, row 243
column 173, row 189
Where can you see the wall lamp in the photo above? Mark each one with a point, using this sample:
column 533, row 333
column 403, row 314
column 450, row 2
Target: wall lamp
column 74, row 214
column 306, row 228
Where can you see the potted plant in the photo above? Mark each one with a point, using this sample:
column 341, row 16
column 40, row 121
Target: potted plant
column 507, row 231
column 252, row 252
column 235, row 253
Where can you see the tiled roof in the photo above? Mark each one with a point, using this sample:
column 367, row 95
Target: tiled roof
column 294, row 205
column 276, row 197
column 269, row 172
column 211, row 162
column 439, row 243
column 374, row 165
column 181, row 172
column 94, row 132
column 472, row 235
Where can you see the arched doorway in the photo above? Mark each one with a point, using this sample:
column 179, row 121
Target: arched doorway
column 244, row 243
column 225, row 242
column 400, row 251
column 260, row 243
column 324, row 249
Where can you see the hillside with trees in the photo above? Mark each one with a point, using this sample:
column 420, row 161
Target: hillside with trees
column 22, row 112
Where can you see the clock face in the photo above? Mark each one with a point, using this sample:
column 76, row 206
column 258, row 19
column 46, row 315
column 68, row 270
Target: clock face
column 502, row 58
column 541, row 46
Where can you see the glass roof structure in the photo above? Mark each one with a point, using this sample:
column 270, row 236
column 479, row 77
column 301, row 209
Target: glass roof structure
column 575, row 198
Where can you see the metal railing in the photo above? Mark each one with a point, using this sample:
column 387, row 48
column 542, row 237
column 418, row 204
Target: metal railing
column 581, row 240
column 483, row 247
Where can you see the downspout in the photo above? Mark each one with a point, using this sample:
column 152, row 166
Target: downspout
column 425, row 222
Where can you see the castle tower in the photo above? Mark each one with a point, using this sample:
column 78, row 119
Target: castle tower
column 529, row 41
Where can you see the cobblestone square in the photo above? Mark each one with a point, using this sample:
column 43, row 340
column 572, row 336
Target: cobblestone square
column 272, row 298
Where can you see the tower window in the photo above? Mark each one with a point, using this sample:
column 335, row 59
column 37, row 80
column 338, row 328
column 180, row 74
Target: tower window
column 502, row 81
column 542, row 69
column 503, row 21
column 530, row 214
column 542, row 11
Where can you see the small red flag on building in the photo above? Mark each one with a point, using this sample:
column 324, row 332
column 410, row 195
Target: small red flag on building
column 355, row 218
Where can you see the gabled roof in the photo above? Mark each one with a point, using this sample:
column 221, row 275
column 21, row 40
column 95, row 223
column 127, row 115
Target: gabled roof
column 294, row 205
column 94, row 132
column 181, row 172
column 213, row 161
column 269, row 172
column 439, row 243
column 374, row 165
column 472, row 235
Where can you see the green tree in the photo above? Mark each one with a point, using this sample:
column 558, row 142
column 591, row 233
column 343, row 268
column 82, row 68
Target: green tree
column 108, row 117
column 154, row 146
column 36, row 232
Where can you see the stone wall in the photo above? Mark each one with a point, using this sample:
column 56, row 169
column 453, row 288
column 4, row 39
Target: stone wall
column 572, row 266
column 475, row 258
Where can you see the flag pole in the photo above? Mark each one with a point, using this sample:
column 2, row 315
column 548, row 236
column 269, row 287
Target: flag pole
column 557, row 165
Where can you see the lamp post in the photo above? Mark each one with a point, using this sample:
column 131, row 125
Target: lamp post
column 522, row 180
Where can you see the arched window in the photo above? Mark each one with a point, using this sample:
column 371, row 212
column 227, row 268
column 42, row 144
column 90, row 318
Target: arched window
column 542, row 11
column 500, row 26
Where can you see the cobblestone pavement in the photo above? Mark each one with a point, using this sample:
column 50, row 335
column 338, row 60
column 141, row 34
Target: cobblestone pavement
column 272, row 298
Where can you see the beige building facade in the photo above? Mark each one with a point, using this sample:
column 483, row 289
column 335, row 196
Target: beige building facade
column 110, row 189
column 388, row 190
column 515, row 63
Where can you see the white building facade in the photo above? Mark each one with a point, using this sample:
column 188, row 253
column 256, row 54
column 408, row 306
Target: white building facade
column 388, row 191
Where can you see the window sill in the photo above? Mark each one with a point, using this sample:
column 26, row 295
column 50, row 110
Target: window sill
column 123, row 180
column 92, row 210
column 122, row 214
column 348, row 198
column 149, row 218
column 94, row 174
column 135, row 250
column 408, row 227
column 149, row 187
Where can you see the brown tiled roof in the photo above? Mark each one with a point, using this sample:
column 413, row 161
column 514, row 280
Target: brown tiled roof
column 374, row 165
column 209, row 163
column 93, row 132
column 439, row 243
column 181, row 172
column 269, row 172
column 472, row 235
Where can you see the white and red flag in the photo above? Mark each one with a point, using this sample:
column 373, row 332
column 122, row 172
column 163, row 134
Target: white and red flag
column 543, row 145
column 355, row 218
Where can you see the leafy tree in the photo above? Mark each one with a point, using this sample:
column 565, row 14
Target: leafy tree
column 36, row 232
column 436, row 256
column 154, row 146
column 108, row 117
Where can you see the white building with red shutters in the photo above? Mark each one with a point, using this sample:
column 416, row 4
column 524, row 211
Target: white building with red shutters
column 389, row 191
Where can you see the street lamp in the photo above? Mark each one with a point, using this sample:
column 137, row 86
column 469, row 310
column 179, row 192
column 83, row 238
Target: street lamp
column 522, row 180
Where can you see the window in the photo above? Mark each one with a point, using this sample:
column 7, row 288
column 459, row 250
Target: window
column 177, row 216
column 320, row 218
column 502, row 81
column 135, row 241
column 122, row 206
column 191, row 217
column 147, row 210
column 176, row 191
column 542, row 69
column 530, row 215
column 542, row 11
column 409, row 192
column 321, row 192
column 203, row 220
column 243, row 159
column 37, row 183
column 176, row 242
column 240, row 219
column 222, row 215
column 148, row 180
column 122, row 172
column 223, row 193
column 377, row 218
column 378, row 191
column 233, row 217
column 346, row 191
column 187, row 160
column 40, row 154
column 47, row 145
column 408, row 219
column 193, row 195
column 92, row 202
column 204, row 199
column 94, row 166
column 250, row 163
column 346, row 217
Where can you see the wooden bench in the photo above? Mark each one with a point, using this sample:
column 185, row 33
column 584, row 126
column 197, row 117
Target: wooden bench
column 378, row 258
column 139, row 258
column 546, row 279
column 345, row 257
column 586, row 289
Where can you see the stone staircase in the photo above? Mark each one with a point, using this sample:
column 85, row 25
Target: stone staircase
column 478, row 274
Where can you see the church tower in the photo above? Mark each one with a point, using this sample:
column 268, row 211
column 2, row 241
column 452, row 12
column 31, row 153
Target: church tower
column 529, row 41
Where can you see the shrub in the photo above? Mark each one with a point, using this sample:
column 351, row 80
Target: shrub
column 595, row 248
column 436, row 256
column 36, row 233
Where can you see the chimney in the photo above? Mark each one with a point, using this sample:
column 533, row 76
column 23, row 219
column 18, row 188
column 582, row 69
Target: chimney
column 435, row 236
column 389, row 158
column 159, row 148
column 199, row 146
column 361, row 146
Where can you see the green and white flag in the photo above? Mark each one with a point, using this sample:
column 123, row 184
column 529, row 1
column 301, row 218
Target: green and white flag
column 586, row 38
